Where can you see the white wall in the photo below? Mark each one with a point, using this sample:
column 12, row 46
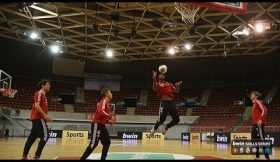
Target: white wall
column 78, row 121
column 120, row 118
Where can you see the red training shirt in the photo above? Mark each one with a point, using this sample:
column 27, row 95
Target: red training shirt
column 39, row 96
column 165, row 88
column 102, row 113
column 259, row 112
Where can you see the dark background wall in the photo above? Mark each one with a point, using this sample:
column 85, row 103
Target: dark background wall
column 21, row 59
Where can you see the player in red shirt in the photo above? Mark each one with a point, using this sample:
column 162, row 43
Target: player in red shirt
column 165, row 91
column 39, row 117
column 99, row 131
column 259, row 119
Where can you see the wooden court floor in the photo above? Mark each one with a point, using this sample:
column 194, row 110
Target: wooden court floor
column 12, row 149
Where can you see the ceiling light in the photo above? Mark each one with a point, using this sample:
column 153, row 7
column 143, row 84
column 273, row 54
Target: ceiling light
column 55, row 49
column 259, row 27
column 171, row 51
column 109, row 53
column 34, row 35
column 188, row 46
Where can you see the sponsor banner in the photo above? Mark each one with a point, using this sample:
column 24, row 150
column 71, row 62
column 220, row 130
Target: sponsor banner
column 195, row 137
column 209, row 136
column 274, row 137
column 129, row 135
column 185, row 136
column 240, row 136
column 221, row 137
column 55, row 133
column 75, row 137
column 156, row 136
column 249, row 147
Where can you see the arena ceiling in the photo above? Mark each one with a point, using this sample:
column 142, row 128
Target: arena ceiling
column 139, row 31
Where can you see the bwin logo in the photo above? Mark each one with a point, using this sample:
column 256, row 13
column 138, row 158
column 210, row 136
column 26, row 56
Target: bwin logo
column 53, row 135
column 130, row 136
column 221, row 139
column 185, row 137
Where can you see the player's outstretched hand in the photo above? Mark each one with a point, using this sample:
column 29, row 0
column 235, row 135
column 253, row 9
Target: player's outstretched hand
column 154, row 74
column 178, row 83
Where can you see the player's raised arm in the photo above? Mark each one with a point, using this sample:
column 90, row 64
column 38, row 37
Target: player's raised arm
column 176, row 88
column 154, row 80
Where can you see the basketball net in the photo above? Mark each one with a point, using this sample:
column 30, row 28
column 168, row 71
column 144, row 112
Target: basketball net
column 5, row 85
column 187, row 11
column 8, row 92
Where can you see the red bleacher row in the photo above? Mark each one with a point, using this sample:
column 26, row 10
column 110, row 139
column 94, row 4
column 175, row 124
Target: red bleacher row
column 218, row 112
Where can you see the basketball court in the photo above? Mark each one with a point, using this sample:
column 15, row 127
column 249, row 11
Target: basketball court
column 130, row 149
column 132, row 31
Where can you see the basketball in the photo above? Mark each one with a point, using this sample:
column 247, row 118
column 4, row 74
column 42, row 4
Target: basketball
column 162, row 68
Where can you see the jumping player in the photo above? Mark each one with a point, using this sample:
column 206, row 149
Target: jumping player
column 165, row 91
column 39, row 118
column 99, row 131
column 259, row 118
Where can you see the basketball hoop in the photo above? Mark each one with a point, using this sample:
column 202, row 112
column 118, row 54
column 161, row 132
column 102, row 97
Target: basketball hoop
column 187, row 11
column 8, row 92
column 6, row 85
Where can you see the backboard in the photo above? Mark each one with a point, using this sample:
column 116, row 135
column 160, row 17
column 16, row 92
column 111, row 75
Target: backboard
column 235, row 7
column 6, row 85
column 188, row 10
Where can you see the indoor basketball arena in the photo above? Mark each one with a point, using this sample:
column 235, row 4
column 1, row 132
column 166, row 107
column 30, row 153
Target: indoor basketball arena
column 139, row 80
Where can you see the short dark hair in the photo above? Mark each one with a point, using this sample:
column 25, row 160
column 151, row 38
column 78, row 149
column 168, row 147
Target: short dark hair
column 104, row 91
column 43, row 82
column 256, row 93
